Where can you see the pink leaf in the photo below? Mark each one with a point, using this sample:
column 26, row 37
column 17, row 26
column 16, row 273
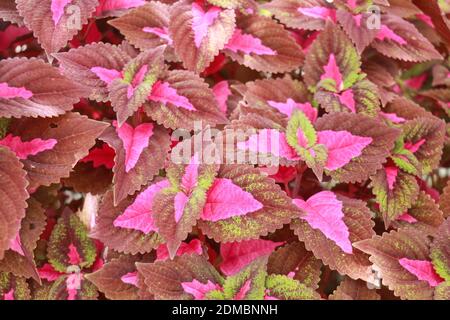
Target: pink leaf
column 135, row 140
column 28, row 148
column 190, row 176
column 57, row 8
column 318, row 13
column 269, row 141
column 407, row 218
column 332, row 72
column 247, row 44
column 106, row 75
column 422, row 269
column 243, row 290
column 237, row 255
column 49, row 273
column 111, row 5
column 347, row 98
column 180, row 201
column 414, row 147
column 73, row 284
column 138, row 216
column 7, row 92
column 16, row 245
column 130, row 278
column 392, row 117
column 103, row 156
column 391, row 176
column 387, row 33
column 225, row 200
column 163, row 33
column 290, row 106
column 193, row 247
column 198, row 289
column 221, row 91
column 74, row 256
column 324, row 212
column 342, row 147
column 9, row 295
column 137, row 80
column 202, row 20
column 163, row 92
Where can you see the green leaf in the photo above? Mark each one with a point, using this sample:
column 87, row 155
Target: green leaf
column 283, row 287
column 299, row 121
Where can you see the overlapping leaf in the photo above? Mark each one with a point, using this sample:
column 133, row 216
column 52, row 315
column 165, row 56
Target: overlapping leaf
column 53, row 28
column 8, row 12
column 357, row 218
column 13, row 287
column 273, row 50
column 13, row 196
column 350, row 289
column 75, row 135
column 277, row 207
column 36, row 89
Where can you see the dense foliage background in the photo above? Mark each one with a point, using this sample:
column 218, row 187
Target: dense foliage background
column 350, row 98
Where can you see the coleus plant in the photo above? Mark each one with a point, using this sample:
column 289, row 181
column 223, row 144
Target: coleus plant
column 348, row 99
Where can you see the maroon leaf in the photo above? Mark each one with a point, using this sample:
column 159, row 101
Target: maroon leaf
column 199, row 32
column 195, row 92
column 444, row 202
column 51, row 32
column 357, row 218
column 356, row 28
column 13, row 197
column 75, row 135
column 44, row 92
column 22, row 264
column 120, row 239
column 78, row 64
column 150, row 162
column 13, row 287
column 350, row 289
column 8, row 12
column 273, row 50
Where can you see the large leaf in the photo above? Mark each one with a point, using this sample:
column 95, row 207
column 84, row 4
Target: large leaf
column 432, row 130
column 283, row 287
column 150, row 162
column 396, row 201
column 22, row 263
column 400, row 39
column 109, row 279
column 193, row 88
column 294, row 259
column 273, row 50
column 75, row 135
column 13, row 288
column 187, row 20
column 120, row 239
column 44, row 91
column 164, row 278
column 145, row 27
column 372, row 156
column 13, row 196
column 386, row 251
column 444, row 202
column 78, row 64
column 69, row 244
column 357, row 218
column 440, row 251
column 350, row 289
column 8, row 12
column 52, row 32
column 277, row 208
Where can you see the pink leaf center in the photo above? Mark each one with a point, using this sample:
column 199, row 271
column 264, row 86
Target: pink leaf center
column 193, row 247
column 225, row 200
column 332, row 72
column 137, row 80
column 73, row 284
column 202, row 20
column 135, row 140
column 106, row 75
column 243, row 290
column 422, row 269
column 28, row 148
column 318, row 13
column 198, row 289
column 74, row 256
column 248, row 44
column 407, row 218
column 9, row 295
column 387, row 33
column 163, row 33
column 342, row 147
column 324, row 212
column 138, row 215
column 237, row 255
column 7, row 92
column 130, row 278
column 391, row 176
column 347, row 99
column 392, row 117
column 290, row 106
column 414, row 147
column 16, row 245
column 221, row 92
column 164, row 93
